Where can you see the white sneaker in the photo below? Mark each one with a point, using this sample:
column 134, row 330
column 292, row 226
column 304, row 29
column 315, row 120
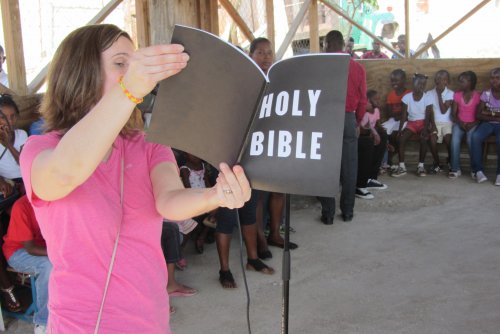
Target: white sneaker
column 364, row 194
column 40, row 329
column 480, row 177
column 497, row 182
column 454, row 175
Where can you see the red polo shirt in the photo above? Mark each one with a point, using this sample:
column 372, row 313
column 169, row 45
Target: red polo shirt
column 22, row 227
column 356, row 90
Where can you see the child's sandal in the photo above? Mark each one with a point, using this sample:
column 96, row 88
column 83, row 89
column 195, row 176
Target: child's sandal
column 12, row 304
column 258, row 265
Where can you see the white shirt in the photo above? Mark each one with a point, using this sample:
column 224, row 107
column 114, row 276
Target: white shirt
column 446, row 95
column 416, row 109
column 4, row 79
column 9, row 169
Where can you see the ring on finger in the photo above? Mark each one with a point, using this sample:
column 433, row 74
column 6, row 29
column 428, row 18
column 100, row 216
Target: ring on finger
column 227, row 191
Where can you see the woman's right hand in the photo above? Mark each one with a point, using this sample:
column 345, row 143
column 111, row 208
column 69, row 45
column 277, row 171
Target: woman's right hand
column 4, row 135
column 150, row 65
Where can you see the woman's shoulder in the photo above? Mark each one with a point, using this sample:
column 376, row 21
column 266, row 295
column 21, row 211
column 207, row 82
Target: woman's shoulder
column 44, row 139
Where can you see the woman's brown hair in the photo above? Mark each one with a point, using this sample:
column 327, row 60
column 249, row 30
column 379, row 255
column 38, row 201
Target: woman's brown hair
column 75, row 78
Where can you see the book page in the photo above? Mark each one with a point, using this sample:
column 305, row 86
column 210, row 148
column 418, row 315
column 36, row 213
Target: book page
column 207, row 108
column 295, row 143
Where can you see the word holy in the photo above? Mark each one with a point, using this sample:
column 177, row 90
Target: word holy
column 282, row 103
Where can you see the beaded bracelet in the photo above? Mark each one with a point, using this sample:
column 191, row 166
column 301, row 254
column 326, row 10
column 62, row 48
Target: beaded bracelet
column 127, row 93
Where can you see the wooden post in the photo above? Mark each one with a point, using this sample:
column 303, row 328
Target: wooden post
column 142, row 23
column 407, row 28
column 14, row 52
column 313, row 27
column 341, row 12
column 164, row 14
column 452, row 27
column 237, row 19
column 271, row 34
column 214, row 16
column 293, row 29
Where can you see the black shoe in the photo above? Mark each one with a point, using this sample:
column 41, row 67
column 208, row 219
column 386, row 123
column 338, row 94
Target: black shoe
column 264, row 255
column 327, row 220
column 347, row 217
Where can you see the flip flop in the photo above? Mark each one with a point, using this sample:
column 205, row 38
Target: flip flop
column 265, row 255
column 291, row 245
column 259, row 266
column 183, row 292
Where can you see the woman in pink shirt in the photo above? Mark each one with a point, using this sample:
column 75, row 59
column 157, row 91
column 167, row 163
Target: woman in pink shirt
column 99, row 190
column 463, row 114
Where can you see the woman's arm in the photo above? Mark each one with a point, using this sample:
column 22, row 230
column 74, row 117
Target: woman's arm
column 174, row 202
column 56, row 172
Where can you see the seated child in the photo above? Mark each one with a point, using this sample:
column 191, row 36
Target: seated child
column 194, row 174
column 11, row 142
column 25, row 251
column 393, row 110
column 465, row 103
column 489, row 115
column 442, row 99
column 417, row 110
column 372, row 142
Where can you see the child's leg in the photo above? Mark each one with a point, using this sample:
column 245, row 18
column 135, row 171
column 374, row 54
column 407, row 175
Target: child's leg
column 456, row 141
column 433, row 146
column 482, row 132
column 423, row 150
column 365, row 160
column 402, row 143
column 259, row 211
column 394, row 142
column 378, row 155
column 447, row 143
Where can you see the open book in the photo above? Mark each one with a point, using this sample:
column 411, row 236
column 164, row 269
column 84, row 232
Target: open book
column 285, row 129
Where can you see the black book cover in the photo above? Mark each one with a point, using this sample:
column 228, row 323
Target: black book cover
column 285, row 129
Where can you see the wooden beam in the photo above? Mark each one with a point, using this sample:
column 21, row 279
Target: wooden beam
column 39, row 80
column 142, row 23
column 342, row 13
column 104, row 12
column 14, row 52
column 407, row 28
column 237, row 19
column 293, row 29
column 313, row 27
column 271, row 34
column 451, row 28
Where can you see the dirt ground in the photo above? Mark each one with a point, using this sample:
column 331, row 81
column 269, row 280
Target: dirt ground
column 422, row 257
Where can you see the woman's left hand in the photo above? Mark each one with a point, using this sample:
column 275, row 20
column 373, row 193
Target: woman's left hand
column 233, row 188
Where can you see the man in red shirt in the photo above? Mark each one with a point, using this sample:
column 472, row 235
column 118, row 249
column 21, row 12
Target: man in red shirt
column 355, row 108
column 375, row 53
column 25, row 251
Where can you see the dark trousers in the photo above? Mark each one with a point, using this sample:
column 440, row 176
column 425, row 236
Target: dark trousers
column 348, row 171
column 171, row 242
column 369, row 158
